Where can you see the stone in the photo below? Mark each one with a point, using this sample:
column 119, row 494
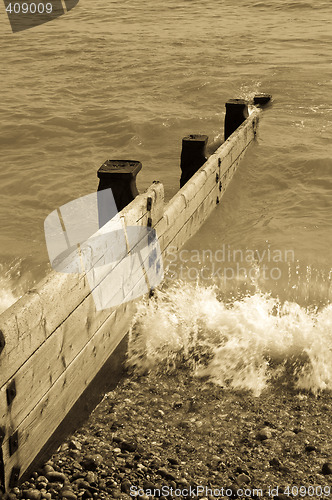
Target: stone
column 41, row 479
column 125, row 486
column 243, row 479
column 48, row 468
column 275, row 462
column 166, row 474
column 91, row 477
column 288, row 434
column 56, row 477
column 327, row 468
column 69, row 494
column 33, row 494
column 91, row 462
column 148, row 485
column 264, row 434
column 47, row 495
column 87, row 494
column 310, row 447
column 75, row 445
column 128, row 446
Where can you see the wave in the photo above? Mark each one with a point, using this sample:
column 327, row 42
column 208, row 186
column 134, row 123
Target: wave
column 243, row 344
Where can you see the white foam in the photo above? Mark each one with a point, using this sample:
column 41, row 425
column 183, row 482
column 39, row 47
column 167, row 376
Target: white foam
column 243, row 344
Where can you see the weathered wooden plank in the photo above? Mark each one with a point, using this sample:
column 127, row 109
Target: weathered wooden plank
column 37, row 375
column 73, row 378
column 32, row 319
column 41, row 422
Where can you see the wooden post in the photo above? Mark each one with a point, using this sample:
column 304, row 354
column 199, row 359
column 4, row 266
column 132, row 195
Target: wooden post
column 262, row 99
column 192, row 156
column 120, row 177
column 236, row 113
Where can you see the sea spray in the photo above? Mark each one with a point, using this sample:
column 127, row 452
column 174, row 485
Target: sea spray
column 8, row 292
column 244, row 343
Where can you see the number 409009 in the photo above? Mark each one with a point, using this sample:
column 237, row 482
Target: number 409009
column 32, row 8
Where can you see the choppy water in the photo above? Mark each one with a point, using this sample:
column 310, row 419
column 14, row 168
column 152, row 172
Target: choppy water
column 129, row 80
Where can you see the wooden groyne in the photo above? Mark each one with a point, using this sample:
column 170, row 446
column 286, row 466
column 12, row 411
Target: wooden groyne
column 53, row 341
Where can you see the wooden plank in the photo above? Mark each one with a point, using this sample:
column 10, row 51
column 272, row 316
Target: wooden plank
column 40, row 373
column 32, row 319
column 41, row 422
column 36, row 376
column 28, row 445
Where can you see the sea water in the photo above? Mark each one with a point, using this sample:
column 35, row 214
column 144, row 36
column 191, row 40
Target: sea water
column 129, row 80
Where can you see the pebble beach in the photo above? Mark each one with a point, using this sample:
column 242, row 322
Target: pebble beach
column 177, row 436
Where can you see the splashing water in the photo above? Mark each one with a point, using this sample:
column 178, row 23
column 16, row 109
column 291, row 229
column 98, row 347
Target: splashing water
column 242, row 344
column 9, row 291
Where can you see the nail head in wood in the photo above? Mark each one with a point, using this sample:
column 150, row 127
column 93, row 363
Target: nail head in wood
column 193, row 155
column 236, row 114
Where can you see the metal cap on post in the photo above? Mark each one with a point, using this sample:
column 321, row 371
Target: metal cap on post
column 236, row 113
column 193, row 155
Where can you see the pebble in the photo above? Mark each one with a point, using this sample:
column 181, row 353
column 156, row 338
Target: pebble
column 75, row 445
column 288, row 434
column 41, row 479
column 125, row 486
column 243, row 479
column 264, row 434
column 48, row 468
column 166, row 474
column 91, row 462
column 55, row 477
column 327, row 468
column 91, row 477
column 69, row 494
column 128, row 446
column 275, row 462
column 148, row 485
column 33, row 494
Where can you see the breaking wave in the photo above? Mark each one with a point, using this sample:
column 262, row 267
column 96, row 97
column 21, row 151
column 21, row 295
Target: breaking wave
column 243, row 344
